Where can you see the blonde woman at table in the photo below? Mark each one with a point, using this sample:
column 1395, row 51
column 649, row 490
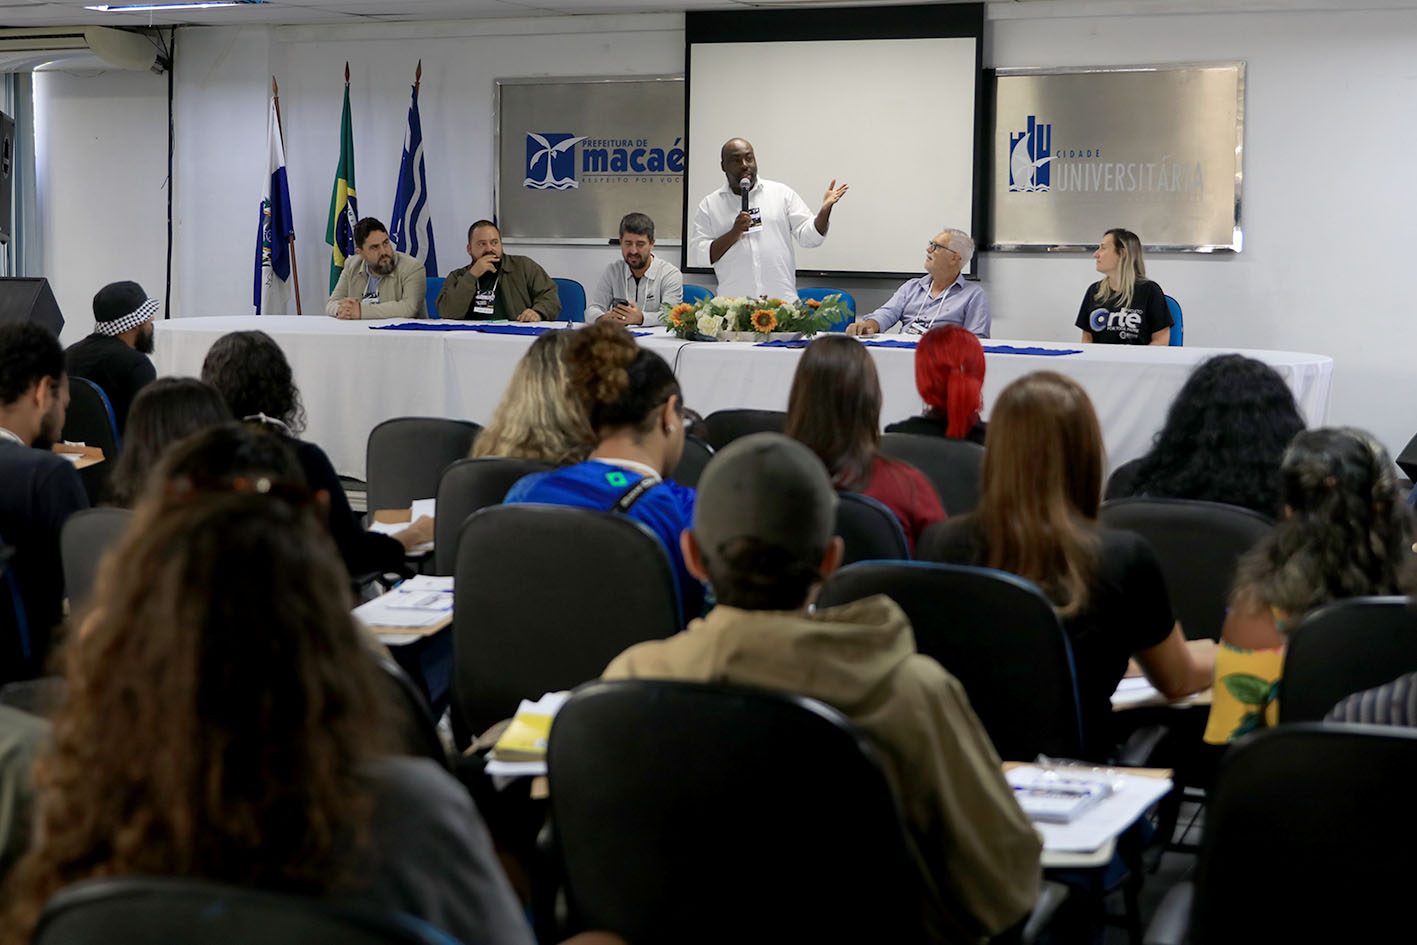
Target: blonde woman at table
column 1345, row 533
column 538, row 418
column 1037, row 518
column 1124, row 307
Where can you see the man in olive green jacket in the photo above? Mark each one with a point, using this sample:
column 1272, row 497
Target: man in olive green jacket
column 378, row 281
column 762, row 537
column 496, row 286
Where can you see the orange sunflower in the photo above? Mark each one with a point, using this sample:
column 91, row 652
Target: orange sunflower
column 815, row 303
column 764, row 320
column 678, row 313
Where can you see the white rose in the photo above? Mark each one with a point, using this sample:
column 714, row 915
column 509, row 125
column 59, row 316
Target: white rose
column 710, row 325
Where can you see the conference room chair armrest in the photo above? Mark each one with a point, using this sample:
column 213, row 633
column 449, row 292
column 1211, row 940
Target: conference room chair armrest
column 1051, row 897
column 1141, row 745
column 1171, row 925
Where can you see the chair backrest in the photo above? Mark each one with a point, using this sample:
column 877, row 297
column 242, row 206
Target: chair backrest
column 820, row 294
column 1309, row 837
column 1346, row 647
column 1198, row 544
column 418, row 733
column 693, row 813
column 435, row 285
column 952, row 466
column 406, row 457
column 696, row 456
column 16, row 645
column 694, row 294
column 544, row 597
column 1000, row 637
column 83, row 539
column 1178, row 328
column 870, row 531
column 90, row 420
column 572, row 295
column 725, row 426
column 155, row 910
column 468, row 485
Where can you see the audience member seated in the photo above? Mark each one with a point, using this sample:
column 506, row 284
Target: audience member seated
column 1124, row 307
column 633, row 402
column 1223, row 439
column 835, row 408
column 496, row 285
column 255, row 750
column 115, row 356
column 1037, row 518
column 39, row 490
column 762, row 537
column 1393, row 703
column 378, row 281
column 949, row 374
column 252, row 375
column 1345, row 533
column 21, row 736
column 164, row 412
column 538, row 418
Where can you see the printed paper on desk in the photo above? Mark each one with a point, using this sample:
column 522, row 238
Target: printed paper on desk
column 1131, row 796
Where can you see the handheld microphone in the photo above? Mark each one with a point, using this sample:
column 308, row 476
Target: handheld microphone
column 745, row 185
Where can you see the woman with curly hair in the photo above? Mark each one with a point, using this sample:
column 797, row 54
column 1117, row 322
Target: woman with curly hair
column 1037, row 518
column 164, row 412
column 949, row 374
column 225, row 720
column 252, row 375
column 537, row 417
column 1345, row 533
column 835, row 409
column 632, row 400
column 1223, row 439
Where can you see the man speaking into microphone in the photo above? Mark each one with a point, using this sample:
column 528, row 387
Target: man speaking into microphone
column 745, row 229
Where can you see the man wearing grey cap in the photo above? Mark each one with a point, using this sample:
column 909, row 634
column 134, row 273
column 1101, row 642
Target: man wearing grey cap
column 115, row 356
column 762, row 537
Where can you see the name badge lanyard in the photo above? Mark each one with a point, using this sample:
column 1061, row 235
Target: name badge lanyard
column 484, row 301
column 914, row 324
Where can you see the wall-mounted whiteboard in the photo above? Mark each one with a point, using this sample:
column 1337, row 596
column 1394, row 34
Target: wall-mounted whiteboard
column 893, row 118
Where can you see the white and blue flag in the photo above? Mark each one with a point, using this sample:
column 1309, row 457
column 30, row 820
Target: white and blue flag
column 271, row 291
column 412, row 223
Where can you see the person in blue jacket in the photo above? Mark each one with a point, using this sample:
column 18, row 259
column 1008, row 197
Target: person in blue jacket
column 636, row 412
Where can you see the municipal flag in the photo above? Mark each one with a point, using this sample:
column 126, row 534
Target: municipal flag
column 412, row 220
column 344, row 209
column 271, row 291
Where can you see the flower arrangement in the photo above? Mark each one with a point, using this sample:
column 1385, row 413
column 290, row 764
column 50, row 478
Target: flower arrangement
column 753, row 319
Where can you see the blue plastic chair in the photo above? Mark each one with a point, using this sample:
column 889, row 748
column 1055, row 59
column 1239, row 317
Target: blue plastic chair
column 435, row 285
column 694, row 294
column 572, row 299
column 820, row 294
column 1178, row 331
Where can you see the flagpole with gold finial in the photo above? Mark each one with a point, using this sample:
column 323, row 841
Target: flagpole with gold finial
column 280, row 130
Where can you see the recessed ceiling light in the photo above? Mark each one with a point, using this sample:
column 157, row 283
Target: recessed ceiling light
column 158, row 7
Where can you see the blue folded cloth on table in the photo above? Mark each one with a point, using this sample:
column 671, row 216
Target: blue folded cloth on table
column 897, row 343
column 532, row 329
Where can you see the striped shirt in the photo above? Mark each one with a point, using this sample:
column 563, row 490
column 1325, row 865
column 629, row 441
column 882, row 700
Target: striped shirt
column 1393, row 703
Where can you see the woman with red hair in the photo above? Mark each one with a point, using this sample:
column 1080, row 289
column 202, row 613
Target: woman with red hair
column 949, row 373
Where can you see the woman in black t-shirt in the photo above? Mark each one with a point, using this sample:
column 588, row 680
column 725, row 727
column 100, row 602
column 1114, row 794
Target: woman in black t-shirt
column 1037, row 518
column 1124, row 307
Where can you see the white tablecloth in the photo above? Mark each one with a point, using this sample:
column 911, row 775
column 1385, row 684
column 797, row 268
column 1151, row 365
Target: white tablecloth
column 352, row 377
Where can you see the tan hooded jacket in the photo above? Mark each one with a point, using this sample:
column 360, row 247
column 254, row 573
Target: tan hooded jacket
column 979, row 851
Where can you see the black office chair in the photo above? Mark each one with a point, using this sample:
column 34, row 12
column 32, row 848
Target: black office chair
column 155, row 910
column 952, row 466
column 406, row 457
column 468, row 485
column 90, row 420
column 85, row 537
column 545, row 597
column 1197, row 544
column 1346, row 647
column 725, row 426
column 1309, row 838
column 870, row 531
column 692, row 813
column 696, row 456
column 1000, row 637
column 418, row 733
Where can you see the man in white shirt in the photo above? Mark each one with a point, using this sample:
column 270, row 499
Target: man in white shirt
column 632, row 290
column 751, row 250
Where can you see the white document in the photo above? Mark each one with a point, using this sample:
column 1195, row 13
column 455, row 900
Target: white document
column 421, row 601
column 1131, row 795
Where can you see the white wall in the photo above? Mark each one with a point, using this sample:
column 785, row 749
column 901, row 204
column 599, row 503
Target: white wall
column 1325, row 203
column 100, row 173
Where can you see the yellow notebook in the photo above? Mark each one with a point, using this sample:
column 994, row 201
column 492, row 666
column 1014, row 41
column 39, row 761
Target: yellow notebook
column 526, row 735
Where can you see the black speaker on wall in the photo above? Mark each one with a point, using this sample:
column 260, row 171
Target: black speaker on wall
column 7, row 173
column 26, row 299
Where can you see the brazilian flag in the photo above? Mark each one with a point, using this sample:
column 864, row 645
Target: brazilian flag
column 344, row 208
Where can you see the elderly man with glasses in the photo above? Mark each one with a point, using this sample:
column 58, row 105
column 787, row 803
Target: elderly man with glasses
column 940, row 297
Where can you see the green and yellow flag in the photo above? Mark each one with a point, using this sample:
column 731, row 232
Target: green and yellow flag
column 344, row 208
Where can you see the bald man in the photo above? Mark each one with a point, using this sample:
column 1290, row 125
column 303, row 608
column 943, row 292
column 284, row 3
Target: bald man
column 751, row 251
